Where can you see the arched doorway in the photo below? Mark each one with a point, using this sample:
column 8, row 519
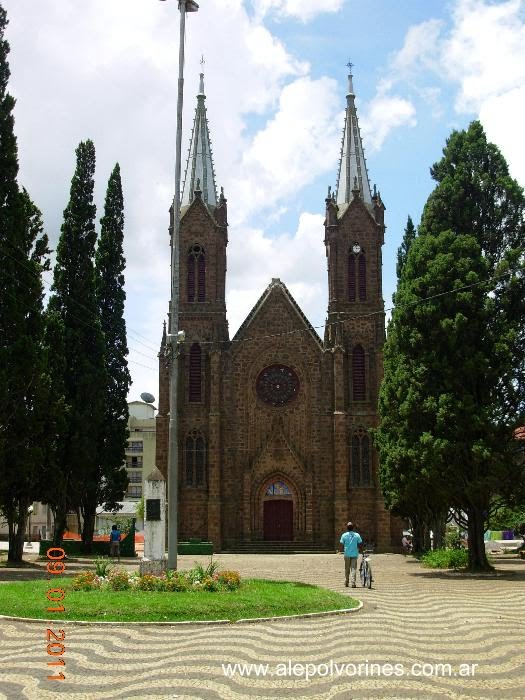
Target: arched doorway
column 278, row 512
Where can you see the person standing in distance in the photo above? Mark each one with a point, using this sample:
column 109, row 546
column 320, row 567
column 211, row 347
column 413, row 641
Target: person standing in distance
column 351, row 545
column 114, row 542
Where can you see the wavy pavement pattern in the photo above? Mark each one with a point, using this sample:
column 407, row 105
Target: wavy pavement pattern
column 411, row 616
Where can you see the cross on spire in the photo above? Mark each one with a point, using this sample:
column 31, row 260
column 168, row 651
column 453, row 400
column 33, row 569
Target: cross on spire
column 352, row 180
column 202, row 60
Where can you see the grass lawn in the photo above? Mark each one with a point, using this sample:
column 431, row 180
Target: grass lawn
column 255, row 598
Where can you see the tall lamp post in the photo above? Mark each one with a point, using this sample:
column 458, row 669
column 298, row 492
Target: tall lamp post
column 175, row 336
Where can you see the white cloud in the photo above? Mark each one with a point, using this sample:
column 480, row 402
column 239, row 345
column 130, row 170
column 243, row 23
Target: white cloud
column 386, row 112
column 485, row 51
column 502, row 119
column 297, row 145
column 485, row 55
column 304, row 10
column 419, row 48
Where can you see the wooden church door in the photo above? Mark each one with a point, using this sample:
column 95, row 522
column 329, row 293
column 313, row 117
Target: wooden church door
column 278, row 520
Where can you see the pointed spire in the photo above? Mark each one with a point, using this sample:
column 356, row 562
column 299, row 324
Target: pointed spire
column 352, row 165
column 199, row 168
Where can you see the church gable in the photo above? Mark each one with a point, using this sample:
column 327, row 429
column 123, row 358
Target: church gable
column 276, row 313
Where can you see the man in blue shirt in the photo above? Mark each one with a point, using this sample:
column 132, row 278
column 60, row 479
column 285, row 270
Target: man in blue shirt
column 114, row 542
column 351, row 544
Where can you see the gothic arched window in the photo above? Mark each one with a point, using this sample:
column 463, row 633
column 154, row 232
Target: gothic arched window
column 361, row 268
column 358, row 374
column 196, row 273
column 195, row 374
column 351, row 277
column 360, row 459
column 195, row 459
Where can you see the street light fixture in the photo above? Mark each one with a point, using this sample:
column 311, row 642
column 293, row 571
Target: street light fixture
column 175, row 336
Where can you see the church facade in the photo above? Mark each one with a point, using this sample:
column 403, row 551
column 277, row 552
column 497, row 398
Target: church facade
column 274, row 422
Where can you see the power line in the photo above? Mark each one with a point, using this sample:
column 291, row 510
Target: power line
column 309, row 329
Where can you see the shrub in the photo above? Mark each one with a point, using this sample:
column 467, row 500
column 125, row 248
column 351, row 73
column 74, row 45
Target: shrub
column 452, row 539
column 149, row 582
column 230, row 579
column 199, row 572
column 210, row 584
column 102, row 566
column 86, row 581
column 445, row 559
column 119, row 580
column 176, row 581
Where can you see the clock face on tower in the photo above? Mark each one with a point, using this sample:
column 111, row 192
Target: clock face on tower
column 356, row 248
column 277, row 385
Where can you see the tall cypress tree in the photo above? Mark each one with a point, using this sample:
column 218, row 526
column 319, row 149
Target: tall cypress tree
column 24, row 255
column 402, row 252
column 84, row 381
column 109, row 265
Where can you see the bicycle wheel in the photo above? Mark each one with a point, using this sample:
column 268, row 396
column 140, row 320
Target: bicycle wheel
column 368, row 575
column 362, row 573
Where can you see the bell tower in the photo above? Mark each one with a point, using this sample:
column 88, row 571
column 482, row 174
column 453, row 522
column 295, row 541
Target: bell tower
column 354, row 333
column 203, row 238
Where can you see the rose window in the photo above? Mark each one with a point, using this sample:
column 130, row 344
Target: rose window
column 277, row 385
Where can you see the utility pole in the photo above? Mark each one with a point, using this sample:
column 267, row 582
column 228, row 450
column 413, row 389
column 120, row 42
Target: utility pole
column 174, row 334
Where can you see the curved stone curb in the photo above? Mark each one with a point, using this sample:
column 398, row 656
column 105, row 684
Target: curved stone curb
column 114, row 623
column 324, row 613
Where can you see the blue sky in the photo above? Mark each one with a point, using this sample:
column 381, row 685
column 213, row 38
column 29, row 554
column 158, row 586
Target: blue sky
column 276, row 84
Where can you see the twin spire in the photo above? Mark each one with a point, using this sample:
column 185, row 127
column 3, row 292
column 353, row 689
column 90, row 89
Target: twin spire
column 200, row 174
column 352, row 177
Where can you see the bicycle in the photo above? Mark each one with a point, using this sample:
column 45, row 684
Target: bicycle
column 365, row 568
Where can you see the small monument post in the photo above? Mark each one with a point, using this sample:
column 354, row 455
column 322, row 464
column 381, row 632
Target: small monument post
column 154, row 561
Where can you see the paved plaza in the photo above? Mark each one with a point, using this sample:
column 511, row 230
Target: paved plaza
column 414, row 618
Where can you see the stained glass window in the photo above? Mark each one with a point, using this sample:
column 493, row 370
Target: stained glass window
column 195, row 456
column 365, row 460
column 358, row 374
column 277, row 385
column 200, row 456
column 278, row 488
column 191, row 277
column 351, row 277
column 195, row 374
column 196, row 274
column 360, row 474
column 361, row 265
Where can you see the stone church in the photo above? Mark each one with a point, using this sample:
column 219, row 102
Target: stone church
column 273, row 423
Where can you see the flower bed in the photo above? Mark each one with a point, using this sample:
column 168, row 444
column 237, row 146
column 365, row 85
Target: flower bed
column 198, row 578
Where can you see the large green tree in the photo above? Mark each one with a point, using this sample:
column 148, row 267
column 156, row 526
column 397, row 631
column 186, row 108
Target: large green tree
column 84, row 379
column 24, row 256
column 109, row 265
column 453, row 389
column 475, row 194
